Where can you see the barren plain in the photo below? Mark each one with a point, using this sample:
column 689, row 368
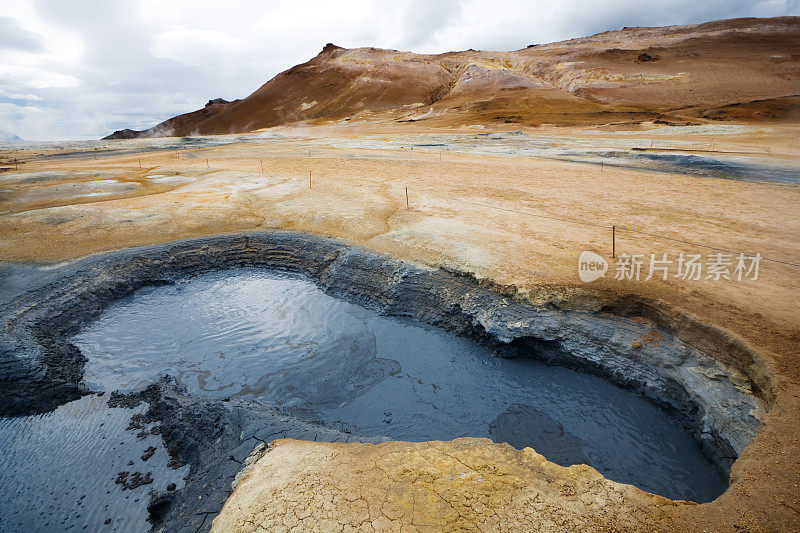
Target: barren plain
column 506, row 207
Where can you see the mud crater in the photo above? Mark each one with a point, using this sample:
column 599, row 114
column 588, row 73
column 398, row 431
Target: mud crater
column 430, row 355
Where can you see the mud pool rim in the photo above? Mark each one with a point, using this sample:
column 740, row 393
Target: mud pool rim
column 42, row 370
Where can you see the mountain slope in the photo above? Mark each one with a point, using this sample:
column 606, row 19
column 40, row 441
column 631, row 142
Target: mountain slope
column 6, row 136
column 629, row 74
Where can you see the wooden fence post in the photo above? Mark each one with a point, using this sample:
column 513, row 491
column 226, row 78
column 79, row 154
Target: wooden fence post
column 613, row 241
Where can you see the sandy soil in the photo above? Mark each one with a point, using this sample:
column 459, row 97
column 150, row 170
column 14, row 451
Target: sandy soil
column 517, row 221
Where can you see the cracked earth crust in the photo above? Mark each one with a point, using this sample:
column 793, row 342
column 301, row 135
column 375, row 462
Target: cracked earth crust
column 467, row 484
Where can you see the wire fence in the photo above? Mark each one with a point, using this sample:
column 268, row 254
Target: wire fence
column 614, row 227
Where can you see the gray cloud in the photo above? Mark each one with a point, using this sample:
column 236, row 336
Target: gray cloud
column 422, row 21
column 13, row 36
column 82, row 70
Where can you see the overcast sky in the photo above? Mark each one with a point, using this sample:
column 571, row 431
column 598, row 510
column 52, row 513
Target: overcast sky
column 82, row 69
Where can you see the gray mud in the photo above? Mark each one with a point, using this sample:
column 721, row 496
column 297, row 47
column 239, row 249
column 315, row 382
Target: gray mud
column 41, row 369
column 85, row 150
column 739, row 169
column 80, row 466
column 712, row 165
column 278, row 340
column 743, row 167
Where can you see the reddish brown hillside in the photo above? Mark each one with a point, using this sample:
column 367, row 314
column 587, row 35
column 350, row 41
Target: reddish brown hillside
column 742, row 69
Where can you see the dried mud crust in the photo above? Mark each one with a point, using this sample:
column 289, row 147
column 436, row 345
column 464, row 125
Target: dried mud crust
column 466, row 484
column 712, row 382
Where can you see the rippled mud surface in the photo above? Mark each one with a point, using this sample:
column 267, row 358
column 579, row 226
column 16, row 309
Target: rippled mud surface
column 81, row 467
column 278, row 340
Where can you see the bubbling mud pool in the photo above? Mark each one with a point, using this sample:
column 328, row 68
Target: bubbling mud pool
column 278, row 340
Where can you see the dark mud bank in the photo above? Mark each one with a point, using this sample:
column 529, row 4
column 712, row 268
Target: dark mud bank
column 710, row 382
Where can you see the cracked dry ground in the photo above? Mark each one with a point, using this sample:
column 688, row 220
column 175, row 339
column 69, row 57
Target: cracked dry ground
column 463, row 485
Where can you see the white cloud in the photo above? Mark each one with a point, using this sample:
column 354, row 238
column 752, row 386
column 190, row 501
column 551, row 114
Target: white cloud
column 12, row 95
column 199, row 48
column 35, row 77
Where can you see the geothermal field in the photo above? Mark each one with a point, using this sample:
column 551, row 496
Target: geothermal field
column 554, row 289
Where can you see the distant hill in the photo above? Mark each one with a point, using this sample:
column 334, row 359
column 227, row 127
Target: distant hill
column 739, row 69
column 8, row 137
